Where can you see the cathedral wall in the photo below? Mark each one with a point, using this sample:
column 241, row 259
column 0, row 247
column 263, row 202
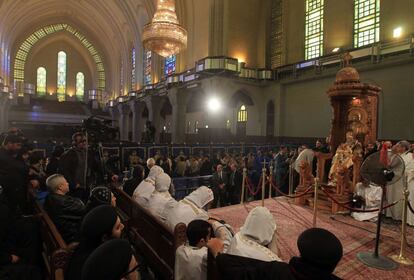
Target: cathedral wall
column 339, row 25
column 198, row 34
column 47, row 57
column 246, row 31
column 303, row 108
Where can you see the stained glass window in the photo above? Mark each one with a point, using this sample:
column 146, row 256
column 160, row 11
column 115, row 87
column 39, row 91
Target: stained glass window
column 147, row 67
column 80, row 86
column 169, row 65
column 242, row 114
column 314, row 28
column 61, row 76
column 133, row 70
column 41, row 82
column 366, row 22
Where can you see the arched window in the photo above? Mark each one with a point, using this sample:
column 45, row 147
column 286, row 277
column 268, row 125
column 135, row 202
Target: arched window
column 41, row 82
column 169, row 66
column 366, row 22
column 147, row 67
column 61, row 76
column 314, row 28
column 133, row 70
column 80, row 86
column 242, row 114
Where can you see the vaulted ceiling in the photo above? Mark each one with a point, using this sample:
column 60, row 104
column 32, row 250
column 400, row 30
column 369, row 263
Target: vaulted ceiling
column 112, row 26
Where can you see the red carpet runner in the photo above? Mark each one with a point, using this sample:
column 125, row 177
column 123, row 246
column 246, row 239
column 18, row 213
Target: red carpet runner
column 355, row 236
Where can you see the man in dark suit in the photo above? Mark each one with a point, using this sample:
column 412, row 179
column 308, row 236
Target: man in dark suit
column 219, row 183
column 235, row 184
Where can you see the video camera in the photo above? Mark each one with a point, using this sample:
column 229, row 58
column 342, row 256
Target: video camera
column 99, row 130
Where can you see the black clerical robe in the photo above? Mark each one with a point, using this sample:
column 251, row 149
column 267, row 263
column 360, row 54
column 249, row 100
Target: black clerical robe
column 235, row 267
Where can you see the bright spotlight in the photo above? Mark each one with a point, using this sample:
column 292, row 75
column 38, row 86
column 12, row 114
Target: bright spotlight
column 397, row 32
column 213, row 104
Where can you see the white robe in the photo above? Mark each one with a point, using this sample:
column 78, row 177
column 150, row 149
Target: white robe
column 190, row 208
column 143, row 192
column 157, row 203
column 409, row 171
column 304, row 156
column 190, row 263
column 183, row 212
column 257, row 232
column 372, row 195
column 395, row 191
column 243, row 246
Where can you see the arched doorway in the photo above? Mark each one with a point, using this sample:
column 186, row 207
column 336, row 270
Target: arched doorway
column 241, row 121
column 270, row 119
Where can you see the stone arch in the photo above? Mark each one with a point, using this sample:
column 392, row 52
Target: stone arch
column 240, row 96
column 41, row 33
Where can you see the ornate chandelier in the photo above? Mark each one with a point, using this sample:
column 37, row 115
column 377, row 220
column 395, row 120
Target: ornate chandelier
column 164, row 35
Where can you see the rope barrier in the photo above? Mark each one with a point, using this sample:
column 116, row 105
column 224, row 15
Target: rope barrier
column 410, row 207
column 250, row 186
column 356, row 209
column 309, row 190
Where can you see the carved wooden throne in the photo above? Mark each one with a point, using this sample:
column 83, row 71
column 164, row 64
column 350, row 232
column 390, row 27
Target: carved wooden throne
column 355, row 109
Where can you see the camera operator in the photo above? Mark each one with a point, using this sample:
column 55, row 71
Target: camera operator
column 72, row 164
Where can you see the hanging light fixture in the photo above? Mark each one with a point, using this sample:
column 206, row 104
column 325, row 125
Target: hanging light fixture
column 164, row 35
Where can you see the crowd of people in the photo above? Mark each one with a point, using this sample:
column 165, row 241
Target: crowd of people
column 87, row 215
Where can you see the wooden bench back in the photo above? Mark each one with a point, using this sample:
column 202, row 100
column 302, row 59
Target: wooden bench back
column 55, row 251
column 154, row 240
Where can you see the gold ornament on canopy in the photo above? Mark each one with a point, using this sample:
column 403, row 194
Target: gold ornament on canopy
column 164, row 35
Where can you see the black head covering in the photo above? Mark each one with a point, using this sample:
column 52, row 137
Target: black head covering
column 320, row 248
column 98, row 221
column 99, row 196
column 110, row 261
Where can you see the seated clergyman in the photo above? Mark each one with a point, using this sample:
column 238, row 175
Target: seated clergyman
column 65, row 211
column 161, row 198
column 190, row 208
column 320, row 252
column 257, row 233
column 100, row 225
column 112, row 260
column 191, row 258
column 144, row 190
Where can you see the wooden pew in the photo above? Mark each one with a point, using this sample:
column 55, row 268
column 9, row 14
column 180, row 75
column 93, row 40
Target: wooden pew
column 153, row 239
column 55, row 251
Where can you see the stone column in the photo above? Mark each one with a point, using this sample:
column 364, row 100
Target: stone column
column 4, row 112
column 178, row 100
column 137, row 108
column 154, row 114
column 123, row 120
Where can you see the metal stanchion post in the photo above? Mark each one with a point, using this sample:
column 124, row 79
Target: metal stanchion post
column 270, row 181
column 243, row 185
column 315, row 202
column 263, row 184
column 401, row 258
column 290, row 179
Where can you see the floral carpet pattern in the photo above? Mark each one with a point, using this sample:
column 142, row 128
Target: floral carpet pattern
column 355, row 236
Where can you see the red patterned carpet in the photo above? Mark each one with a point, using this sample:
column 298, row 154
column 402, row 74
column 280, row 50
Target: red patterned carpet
column 355, row 236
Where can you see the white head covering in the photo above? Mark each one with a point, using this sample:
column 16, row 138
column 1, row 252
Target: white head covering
column 162, row 182
column 201, row 196
column 155, row 171
column 259, row 226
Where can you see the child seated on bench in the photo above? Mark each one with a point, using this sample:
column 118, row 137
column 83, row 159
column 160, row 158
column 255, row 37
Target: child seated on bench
column 191, row 258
